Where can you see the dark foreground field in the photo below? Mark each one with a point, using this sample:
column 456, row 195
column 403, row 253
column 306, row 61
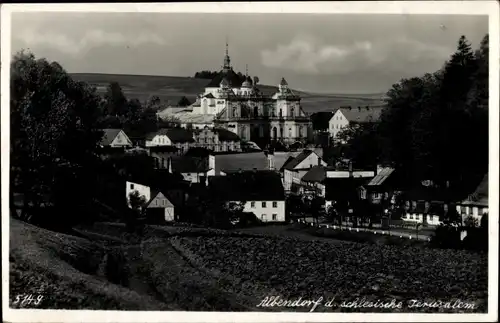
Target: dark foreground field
column 171, row 88
column 198, row 269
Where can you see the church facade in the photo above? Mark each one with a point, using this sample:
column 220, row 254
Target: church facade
column 240, row 107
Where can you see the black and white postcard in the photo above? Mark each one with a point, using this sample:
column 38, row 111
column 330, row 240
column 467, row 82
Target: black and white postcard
column 250, row 162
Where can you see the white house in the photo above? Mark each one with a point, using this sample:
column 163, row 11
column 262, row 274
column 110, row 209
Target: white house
column 115, row 138
column 344, row 117
column 261, row 192
column 180, row 138
column 296, row 167
column 157, row 207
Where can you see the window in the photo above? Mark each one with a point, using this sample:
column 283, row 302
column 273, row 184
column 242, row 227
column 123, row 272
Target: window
column 252, row 204
column 263, row 204
column 275, row 204
column 275, row 217
column 411, row 216
column 131, row 186
column 263, row 217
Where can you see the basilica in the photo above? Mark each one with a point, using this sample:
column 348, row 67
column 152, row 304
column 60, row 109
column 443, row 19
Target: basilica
column 239, row 106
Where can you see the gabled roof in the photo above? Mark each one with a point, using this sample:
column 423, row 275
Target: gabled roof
column 290, row 165
column 361, row 114
column 316, row 174
column 287, row 162
column 174, row 134
column 248, row 186
column 108, row 136
column 381, row 176
column 226, row 135
column 243, row 161
column 231, row 77
column 209, row 96
column 158, row 194
column 480, row 195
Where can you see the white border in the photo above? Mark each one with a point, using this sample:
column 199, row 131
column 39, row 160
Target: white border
column 489, row 8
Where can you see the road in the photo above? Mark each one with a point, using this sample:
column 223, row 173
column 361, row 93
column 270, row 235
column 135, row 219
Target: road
column 422, row 235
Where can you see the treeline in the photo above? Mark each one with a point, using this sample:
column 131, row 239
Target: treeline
column 435, row 127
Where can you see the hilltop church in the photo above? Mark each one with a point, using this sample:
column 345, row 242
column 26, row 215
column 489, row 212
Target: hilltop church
column 243, row 109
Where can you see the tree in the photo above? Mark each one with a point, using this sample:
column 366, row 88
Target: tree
column 422, row 128
column 137, row 202
column 116, row 102
column 362, row 144
column 54, row 140
column 256, row 80
column 184, row 102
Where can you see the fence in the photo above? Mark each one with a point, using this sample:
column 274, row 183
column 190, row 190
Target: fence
column 401, row 235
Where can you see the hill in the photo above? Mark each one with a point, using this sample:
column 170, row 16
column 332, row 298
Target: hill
column 171, row 88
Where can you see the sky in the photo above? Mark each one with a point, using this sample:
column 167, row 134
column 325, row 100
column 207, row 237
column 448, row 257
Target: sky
column 334, row 53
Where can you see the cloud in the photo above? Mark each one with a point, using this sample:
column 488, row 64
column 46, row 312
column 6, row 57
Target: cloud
column 306, row 55
column 76, row 45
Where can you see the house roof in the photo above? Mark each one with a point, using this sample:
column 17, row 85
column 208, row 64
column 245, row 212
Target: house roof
column 231, row 77
column 243, row 161
column 174, row 134
column 226, row 135
column 480, row 195
column 108, row 136
column 190, row 117
column 361, row 114
column 248, row 186
column 316, row 174
column 291, row 164
column 209, row 96
column 424, row 193
column 381, row 176
column 189, row 164
column 154, row 195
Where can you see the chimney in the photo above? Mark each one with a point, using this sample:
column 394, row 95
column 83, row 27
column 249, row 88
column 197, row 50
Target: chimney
column 270, row 161
column 211, row 162
column 169, row 165
column 359, row 109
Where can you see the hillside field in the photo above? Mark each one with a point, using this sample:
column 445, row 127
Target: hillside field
column 171, row 88
column 181, row 268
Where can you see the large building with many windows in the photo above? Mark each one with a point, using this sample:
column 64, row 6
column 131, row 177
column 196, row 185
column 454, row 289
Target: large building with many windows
column 239, row 106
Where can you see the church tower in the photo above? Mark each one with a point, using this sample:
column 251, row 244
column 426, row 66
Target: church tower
column 227, row 61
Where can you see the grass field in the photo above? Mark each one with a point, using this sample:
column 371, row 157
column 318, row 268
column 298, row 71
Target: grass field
column 178, row 268
column 171, row 88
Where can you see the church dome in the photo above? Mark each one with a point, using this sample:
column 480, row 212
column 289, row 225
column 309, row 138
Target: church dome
column 247, row 83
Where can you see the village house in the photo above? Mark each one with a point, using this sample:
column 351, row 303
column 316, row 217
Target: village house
column 296, row 167
column 217, row 140
column 349, row 116
column 476, row 204
column 165, row 194
column 113, row 142
column 158, row 207
column 343, row 192
column 176, row 137
column 381, row 187
column 161, row 154
column 261, row 192
column 427, row 205
column 115, row 138
column 195, row 170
